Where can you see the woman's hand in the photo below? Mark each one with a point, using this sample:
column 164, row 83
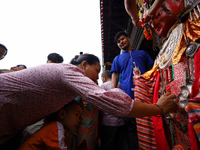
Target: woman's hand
column 167, row 102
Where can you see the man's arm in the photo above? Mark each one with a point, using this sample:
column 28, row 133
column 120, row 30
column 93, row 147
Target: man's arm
column 131, row 9
column 115, row 79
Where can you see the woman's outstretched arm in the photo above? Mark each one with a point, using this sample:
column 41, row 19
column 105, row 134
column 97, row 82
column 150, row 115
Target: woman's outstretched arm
column 166, row 102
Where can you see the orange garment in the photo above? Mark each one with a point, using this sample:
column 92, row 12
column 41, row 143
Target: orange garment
column 50, row 137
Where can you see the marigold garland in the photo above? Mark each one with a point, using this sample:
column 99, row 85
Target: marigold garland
column 147, row 32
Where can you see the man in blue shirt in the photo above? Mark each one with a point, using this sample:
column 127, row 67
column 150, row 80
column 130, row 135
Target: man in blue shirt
column 130, row 64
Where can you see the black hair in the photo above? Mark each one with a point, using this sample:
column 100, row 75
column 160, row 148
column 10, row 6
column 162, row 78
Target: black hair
column 120, row 33
column 21, row 65
column 90, row 58
column 106, row 73
column 54, row 116
column 55, row 57
column 2, row 46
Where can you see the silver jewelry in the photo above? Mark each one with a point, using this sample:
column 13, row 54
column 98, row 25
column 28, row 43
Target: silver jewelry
column 169, row 47
column 175, row 102
column 135, row 20
column 149, row 14
column 192, row 49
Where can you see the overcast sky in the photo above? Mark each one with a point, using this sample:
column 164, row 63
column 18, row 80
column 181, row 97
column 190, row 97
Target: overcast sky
column 31, row 29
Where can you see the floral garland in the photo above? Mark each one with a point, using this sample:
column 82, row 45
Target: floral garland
column 147, row 32
column 144, row 5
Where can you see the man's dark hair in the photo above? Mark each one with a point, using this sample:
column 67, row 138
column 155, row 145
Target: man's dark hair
column 106, row 73
column 2, row 46
column 120, row 33
column 54, row 57
column 21, row 65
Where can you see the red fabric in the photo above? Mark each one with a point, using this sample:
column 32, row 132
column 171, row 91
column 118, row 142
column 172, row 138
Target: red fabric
column 195, row 91
column 160, row 137
column 192, row 136
column 161, row 141
column 195, row 86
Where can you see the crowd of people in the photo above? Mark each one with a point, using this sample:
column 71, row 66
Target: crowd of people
column 62, row 106
column 32, row 94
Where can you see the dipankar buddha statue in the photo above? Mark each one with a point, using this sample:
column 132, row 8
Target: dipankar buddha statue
column 176, row 70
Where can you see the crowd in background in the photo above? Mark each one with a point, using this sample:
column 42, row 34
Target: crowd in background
column 86, row 127
column 58, row 105
column 98, row 130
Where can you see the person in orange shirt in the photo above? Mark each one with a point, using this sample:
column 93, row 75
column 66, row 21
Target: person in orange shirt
column 52, row 134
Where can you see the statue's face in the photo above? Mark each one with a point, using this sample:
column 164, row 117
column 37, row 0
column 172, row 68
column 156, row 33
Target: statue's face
column 162, row 20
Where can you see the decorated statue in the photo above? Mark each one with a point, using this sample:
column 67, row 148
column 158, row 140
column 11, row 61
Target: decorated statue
column 176, row 70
